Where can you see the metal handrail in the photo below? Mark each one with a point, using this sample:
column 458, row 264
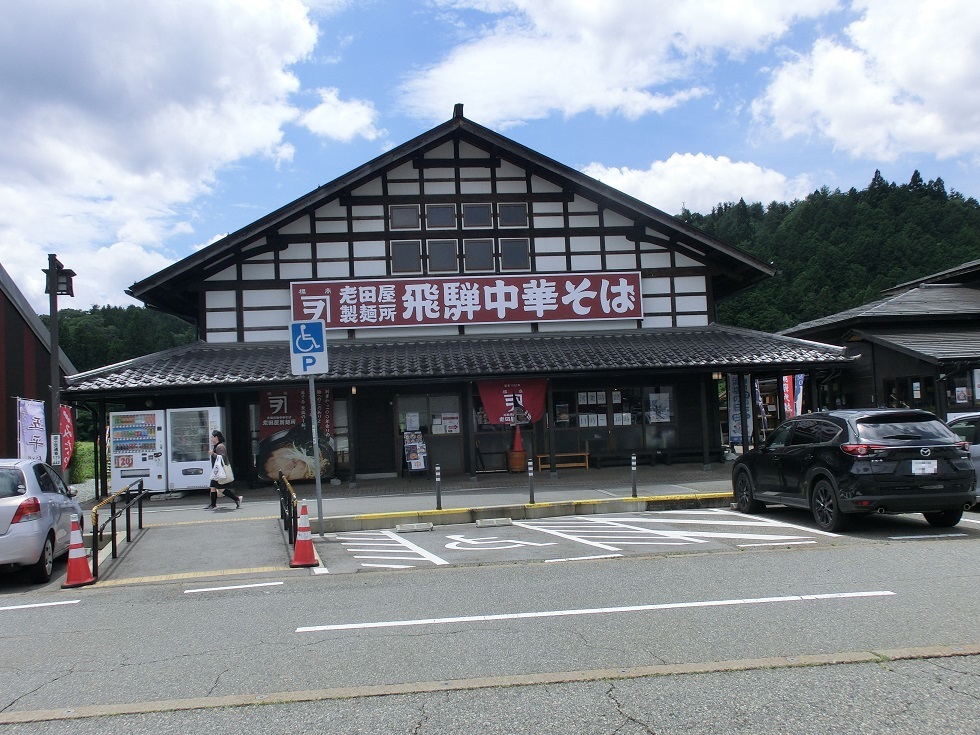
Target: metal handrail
column 112, row 500
column 287, row 507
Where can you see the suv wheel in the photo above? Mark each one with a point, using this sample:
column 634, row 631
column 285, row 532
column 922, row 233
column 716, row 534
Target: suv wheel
column 826, row 511
column 944, row 518
column 745, row 495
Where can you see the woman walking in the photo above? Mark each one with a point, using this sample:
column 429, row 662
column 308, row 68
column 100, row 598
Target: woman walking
column 220, row 452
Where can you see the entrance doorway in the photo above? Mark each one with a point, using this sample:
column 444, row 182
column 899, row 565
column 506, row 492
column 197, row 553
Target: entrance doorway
column 376, row 453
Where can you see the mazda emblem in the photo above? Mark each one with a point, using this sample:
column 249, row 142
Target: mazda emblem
column 925, row 451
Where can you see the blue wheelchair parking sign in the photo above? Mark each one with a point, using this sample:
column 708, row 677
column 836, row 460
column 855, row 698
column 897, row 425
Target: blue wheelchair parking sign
column 308, row 347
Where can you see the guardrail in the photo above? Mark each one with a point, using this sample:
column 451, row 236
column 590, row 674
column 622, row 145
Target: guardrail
column 129, row 496
column 287, row 508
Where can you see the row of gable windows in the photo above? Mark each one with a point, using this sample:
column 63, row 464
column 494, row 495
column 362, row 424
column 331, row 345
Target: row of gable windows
column 445, row 256
column 445, row 216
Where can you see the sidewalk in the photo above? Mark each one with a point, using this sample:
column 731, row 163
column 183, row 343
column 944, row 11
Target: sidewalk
column 389, row 502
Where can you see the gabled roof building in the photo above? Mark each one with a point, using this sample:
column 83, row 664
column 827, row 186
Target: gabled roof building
column 918, row 346
column 25, row 364
column 465, row 283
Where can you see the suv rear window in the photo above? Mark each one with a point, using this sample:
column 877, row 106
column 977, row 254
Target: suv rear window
column 898, row 429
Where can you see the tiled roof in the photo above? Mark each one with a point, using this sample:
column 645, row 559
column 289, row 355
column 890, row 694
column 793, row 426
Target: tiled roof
column 200, row 366
column 964, row 273
column 925, row 301
column 931, row 345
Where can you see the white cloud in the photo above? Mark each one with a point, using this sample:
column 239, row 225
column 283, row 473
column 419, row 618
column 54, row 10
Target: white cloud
column 339, row 120
column 700, row 182
column 115, row 115
column 622, row 57
column 904, row 80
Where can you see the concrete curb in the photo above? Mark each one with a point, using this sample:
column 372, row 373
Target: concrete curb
column 525, row 511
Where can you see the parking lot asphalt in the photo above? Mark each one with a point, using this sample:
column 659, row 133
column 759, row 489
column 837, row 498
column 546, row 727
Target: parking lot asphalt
column 182, row 539
column 367, row 525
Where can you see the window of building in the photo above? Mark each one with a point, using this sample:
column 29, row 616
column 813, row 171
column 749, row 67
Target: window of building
column 443, row 257
column 477, row 215
column 406, row 256
column 515, row 254
column 478, row 255
column 440, row 215
column 404, row 217
column 512, row 214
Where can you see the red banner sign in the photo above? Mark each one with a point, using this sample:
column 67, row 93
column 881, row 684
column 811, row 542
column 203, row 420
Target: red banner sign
column 403, row 302
column 513, row 401
column 67, row 421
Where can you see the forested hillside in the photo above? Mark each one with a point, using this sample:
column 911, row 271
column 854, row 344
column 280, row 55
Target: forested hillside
column 104, row 335
column 836, row 250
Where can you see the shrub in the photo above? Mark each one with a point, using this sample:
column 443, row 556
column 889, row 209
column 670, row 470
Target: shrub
column 82, row 465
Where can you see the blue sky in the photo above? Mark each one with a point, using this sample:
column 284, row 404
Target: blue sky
column 138, row 132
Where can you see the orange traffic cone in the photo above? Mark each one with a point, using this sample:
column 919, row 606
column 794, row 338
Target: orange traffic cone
column 518, row 441
column 303, row 555
column 79, row 573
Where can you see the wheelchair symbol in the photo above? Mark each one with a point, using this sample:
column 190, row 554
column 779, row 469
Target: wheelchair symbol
column 306, row 342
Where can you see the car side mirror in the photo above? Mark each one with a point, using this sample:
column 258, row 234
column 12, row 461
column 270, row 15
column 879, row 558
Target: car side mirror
column 72, row 492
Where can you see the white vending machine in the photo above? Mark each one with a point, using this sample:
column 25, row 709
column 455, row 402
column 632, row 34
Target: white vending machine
column 137, row 450
column 189, row 446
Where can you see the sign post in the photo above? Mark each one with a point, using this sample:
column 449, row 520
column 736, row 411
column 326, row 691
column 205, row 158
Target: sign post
column 308, row 356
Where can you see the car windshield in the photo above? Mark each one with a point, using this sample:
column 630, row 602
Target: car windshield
column 899, row 429
column 11, row 482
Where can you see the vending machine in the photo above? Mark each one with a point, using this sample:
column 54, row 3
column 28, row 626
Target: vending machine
column 189, row 446
column 136, row 450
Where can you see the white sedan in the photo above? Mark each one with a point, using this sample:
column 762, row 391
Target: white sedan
column 36, row 507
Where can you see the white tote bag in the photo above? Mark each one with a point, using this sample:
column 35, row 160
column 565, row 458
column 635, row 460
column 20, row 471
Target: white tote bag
column 218, row 471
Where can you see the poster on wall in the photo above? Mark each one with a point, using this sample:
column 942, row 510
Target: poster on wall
column 286, row 434
column 416, row 454
column 32, row 439
column 450, row 422
column 976, row 385
column 658, row 408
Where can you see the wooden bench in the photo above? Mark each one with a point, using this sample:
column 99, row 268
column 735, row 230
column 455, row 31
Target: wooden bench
column 563, row 459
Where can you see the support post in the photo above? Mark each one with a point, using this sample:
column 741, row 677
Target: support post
column 633, row 471
column 530, row 479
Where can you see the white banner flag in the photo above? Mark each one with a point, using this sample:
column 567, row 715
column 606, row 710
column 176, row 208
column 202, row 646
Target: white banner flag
column 32, row 439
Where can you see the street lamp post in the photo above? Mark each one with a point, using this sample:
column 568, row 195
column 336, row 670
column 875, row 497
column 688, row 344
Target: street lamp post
column 58, row 282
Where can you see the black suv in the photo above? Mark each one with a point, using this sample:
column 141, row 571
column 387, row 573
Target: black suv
column 860, row 461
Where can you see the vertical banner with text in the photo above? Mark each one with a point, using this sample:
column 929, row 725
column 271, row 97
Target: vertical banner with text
column 32, row 438
column 286, row 436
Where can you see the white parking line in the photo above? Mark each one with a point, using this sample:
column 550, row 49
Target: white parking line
column 570, row 537
column 770, row 522
column 593, row 611
column 927, row 536
column 612, row 534
column 233, row 587
column 386, row 546
column 587, row 558
column 40, row 604
column 778, row 543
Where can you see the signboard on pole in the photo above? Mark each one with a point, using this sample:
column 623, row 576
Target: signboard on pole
column 308, row 348
column 308, row 351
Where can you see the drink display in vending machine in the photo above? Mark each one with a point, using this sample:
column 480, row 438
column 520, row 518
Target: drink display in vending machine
column 136, row 450
column 189, row 446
